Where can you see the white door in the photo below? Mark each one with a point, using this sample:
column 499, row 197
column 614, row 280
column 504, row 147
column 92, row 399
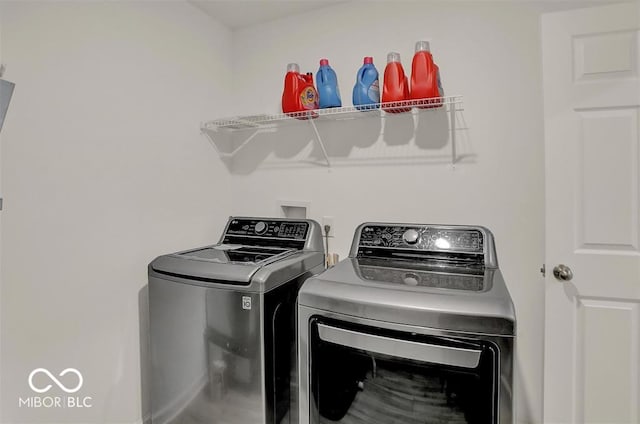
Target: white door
column 592, row 101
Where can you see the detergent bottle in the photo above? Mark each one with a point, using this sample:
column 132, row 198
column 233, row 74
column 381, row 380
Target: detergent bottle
column 292, row 82
column 396, row 85
column 328, row 92
column 366, row 92
column 425, row 77
column 308, row 93
column 299, row 94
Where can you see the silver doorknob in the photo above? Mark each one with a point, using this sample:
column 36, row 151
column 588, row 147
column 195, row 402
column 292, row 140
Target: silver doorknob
column 562, row 273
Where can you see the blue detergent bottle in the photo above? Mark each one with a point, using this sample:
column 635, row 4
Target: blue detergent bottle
column 366, row 92
column 328, row 91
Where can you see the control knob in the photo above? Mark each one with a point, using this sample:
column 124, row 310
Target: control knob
column 411, row 279
column 260, row 228
column 411, row 236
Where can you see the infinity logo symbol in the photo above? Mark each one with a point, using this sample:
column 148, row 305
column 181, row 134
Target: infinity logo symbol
column 55, row 380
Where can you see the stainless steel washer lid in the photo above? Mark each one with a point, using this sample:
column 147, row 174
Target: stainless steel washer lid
column 256, row 253
column 253, row 277
column 342, row 289
column 198, row 271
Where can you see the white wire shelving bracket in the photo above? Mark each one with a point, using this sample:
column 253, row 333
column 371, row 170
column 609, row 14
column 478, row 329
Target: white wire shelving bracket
column 258, row 123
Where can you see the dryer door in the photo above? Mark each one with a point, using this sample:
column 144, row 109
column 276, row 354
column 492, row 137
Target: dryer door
column 363, row 374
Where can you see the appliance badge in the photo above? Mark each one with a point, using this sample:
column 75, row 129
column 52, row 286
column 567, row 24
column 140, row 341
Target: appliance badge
column 246, row 302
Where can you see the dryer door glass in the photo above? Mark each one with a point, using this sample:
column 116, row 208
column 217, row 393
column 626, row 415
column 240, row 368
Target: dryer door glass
column 368, row 375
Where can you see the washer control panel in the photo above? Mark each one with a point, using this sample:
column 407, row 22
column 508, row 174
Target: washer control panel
column 424, row 238
column 294, row 230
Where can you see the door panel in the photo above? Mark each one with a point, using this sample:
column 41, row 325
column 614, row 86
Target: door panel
column 592, row 103
column 607, row 359
column 607, row 212
column 604, row 56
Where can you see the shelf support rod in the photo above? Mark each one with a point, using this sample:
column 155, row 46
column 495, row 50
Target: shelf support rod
column 225, row 154
column 244, row 143
column 206, row 134
column 452, row 118
column 319, row 141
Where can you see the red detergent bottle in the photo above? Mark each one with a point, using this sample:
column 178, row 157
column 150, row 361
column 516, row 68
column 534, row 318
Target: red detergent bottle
column 299, row 94
column 396, row 86
column 425, row 78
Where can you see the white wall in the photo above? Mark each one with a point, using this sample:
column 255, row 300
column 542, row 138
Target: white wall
column 103, row 168
column 1, row 61
column 489, row 52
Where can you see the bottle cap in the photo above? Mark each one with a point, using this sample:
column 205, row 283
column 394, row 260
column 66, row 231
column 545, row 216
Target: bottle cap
column 422, row 46
column 368, row 60
column 324, row 62
column 393, row 57
column 293, row 67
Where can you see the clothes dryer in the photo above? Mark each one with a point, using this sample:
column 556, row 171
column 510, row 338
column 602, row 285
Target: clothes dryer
column 415, row 326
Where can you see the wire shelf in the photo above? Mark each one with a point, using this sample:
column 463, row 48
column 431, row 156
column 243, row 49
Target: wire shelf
column 250, row 126
column 254, row 122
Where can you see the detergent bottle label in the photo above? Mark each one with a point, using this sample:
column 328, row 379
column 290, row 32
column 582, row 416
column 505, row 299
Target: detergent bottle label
column 308, row 98
column 374, row 92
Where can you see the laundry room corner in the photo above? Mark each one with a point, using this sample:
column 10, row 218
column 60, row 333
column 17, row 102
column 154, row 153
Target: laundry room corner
column 393, row 172
column 103, row 169
column 206, row 215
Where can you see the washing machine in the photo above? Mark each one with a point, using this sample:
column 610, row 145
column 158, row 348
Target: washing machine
column 415, row 326
column 222, row 323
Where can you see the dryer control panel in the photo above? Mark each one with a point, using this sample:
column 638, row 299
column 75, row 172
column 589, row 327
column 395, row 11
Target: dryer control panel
column 422, row 238
column 424, row 241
